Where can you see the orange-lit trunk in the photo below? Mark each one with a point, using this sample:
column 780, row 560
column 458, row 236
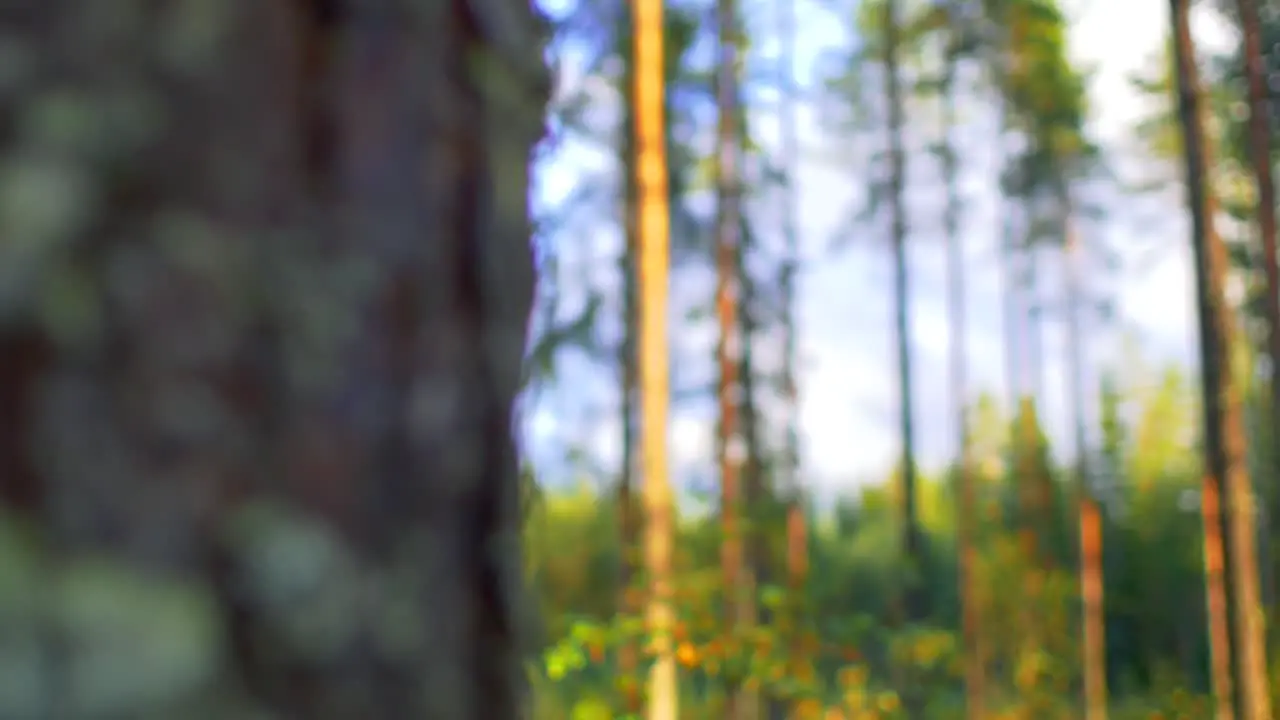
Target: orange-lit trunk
column 1093, row 611
column 1215, row 583
column 1260, row 149
column 1094, row 621
column 653, row 238
column 1224, row 441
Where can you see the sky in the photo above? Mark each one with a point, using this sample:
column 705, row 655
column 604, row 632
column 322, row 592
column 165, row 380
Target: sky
column 848, row 391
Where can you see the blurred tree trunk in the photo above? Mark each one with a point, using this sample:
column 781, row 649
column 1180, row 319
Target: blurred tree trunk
column 966, row 511
column 628, row 656
column 1088, row 515
column 1260, row 149
column 913, row 600
column 755, row 494
column 730, row 448
column 913, row 593
column 653, row 255
column 1226, row 474
column 788, row 481
column 295, row 243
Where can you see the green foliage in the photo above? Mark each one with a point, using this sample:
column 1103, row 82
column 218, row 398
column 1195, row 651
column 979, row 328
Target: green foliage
column 837, row 646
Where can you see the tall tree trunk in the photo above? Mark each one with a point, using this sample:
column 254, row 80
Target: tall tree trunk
column 912, row 590
column 628, row 656
column 1013, row 312
column 1224, row 442
column 788, row 471
column 653, row 238
column 729, row 446
column 1034, row 365
column 901, row 303
column 1093, row 620
column 754, row 493
column 200, row 422
column 1002, row 64
column 1215, row 558
column 966, row 513
column 1260, row 149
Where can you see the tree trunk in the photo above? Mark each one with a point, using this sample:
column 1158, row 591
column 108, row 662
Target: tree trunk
column 653, row 237
column 628, row 656
column 1260, row 149
column 730, row 448
column 1215, row 559
column 913, row 606
column 754, row 492
column 788, row 481
column 966, row 512
column 1093, row 620
column 1034, row 365
column 1224, row 440
column 897, row 181
column 316, row 347
column 1014, row 313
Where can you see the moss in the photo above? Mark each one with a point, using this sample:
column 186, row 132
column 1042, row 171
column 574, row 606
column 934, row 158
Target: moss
column 61, row 120
column 191, row 35
column 140, row 641
column 67, row 305
column 44, row 203
column 300, row 579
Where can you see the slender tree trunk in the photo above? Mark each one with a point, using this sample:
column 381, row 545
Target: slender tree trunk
column 754, row 492
column 1215, row 558
column 912, row 591
column 653, row 238
column 788, row 471
column 797, row 576
column 1034, row 365
column 966, row 514
column 730, row 448
column 1093, row 621
column 1260, row 149
column 1013, row 314
column 901, row 302
column 628, row 655
column 1091, row 595
column 1002, row 64
column 1223, row 424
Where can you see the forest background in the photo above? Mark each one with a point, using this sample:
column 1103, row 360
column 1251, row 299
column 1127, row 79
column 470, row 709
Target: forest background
column 1138, row 413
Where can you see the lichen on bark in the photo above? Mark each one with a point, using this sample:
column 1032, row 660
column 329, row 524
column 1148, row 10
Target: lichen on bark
column 264, row 282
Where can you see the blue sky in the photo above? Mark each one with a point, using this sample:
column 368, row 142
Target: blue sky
column 848, row 392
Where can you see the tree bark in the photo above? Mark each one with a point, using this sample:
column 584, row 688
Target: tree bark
column 306, row 274
column 628, row 371
column 1093, row 620
column 653, row 237
column 1224, row 440
column 788, row 482
column 1260, row 149
column 729, row 441
column 966, row 511
column 902, row 313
